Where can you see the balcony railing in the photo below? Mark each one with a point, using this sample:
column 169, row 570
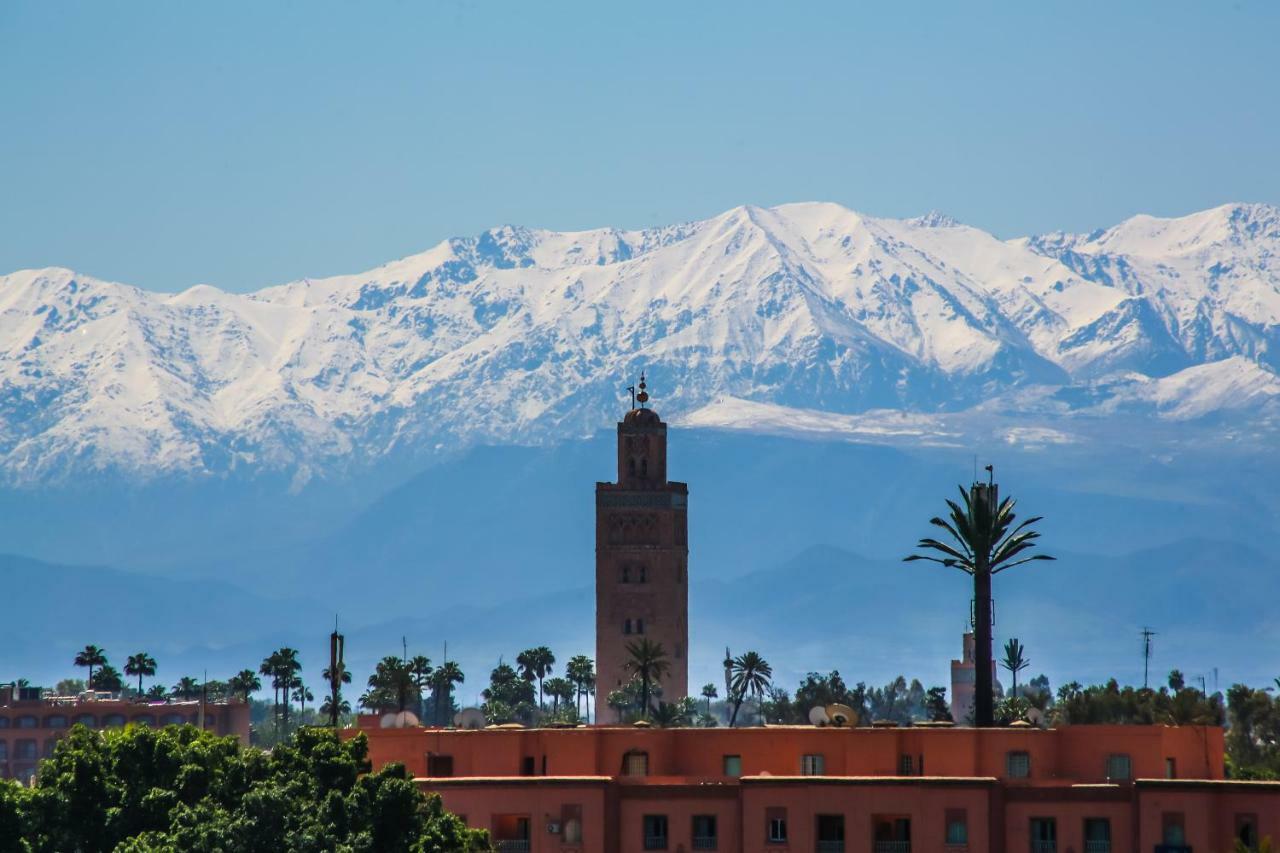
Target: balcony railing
column 892, row 847
column 1044, row 847
column 655, row 842
column 704, row 842
column 1097, row 847
column 512, row 846
column 830, row 847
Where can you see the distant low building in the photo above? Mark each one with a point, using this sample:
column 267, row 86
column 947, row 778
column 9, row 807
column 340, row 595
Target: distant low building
column 31, row 723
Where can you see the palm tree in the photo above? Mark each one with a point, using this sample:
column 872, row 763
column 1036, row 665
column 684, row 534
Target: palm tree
column 91, row 656
column 582, row 672
column 446, row 675
column 559, row 689
column 393, row 677
column 420, row 668
column 302, row 695
column 107, row 678
column 245, row 682
column 709, row 692
column 330, row 710
column 536, row 663
column 648, row 661
column 186, row 688
column 140, row 664
column 751, row 676
column 287, row 668
column 157, row 692
column 1015, row 661
column 984, row 543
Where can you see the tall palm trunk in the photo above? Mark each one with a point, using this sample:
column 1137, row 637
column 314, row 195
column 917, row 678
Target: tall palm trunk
column 983, row 690
column 644, row 694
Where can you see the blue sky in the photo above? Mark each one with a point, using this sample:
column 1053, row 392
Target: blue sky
column 248, row 144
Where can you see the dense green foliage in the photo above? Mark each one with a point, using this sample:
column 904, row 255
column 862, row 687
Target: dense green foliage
column 142, row 790
column 1253, row 740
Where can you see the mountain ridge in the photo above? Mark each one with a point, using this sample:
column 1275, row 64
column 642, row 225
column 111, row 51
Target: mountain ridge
column 523, row 335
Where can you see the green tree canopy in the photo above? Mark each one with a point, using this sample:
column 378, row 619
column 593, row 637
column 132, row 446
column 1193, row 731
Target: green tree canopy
column 142, row 790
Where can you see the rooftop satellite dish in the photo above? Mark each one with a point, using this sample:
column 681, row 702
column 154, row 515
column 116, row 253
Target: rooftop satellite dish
column 818, row 716
column 842, row 715
column 401, row 720
column 469, row 718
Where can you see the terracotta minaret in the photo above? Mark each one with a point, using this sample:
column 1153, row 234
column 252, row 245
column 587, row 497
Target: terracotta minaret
column 642, row 559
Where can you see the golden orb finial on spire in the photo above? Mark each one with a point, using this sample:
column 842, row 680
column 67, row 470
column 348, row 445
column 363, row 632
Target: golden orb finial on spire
column 643, row 396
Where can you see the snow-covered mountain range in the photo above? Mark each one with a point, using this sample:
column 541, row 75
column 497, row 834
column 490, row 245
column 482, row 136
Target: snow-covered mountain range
column 804, row 317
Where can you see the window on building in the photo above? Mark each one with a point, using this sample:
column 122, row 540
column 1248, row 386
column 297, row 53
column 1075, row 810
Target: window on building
column 1097, row 835
column 87, row 720
column 25, row 750
column 1171, row 768
column 439, row 766
column 1118, row 767
column 635, row 763
column 733, row 765
column 626, row 627
column 4, row 750
column 775, row 825
column 49, row 746
column 905, row 765
column 1018, row 765
column 4, row 722
column 642, row 575
column 1247, row 830
column 527, row 765
column 704, row 832
column 171, row 720
column 829, row 829
column 144, row 720
column 55, row 721
column 957, row 826
column 1173, row 828
column 1044, row 835
column 626, row 574
column 571, row 824
column 111, row 721
column 26, row 721
column 639, row 626
column 811, row 765
column 655, row 832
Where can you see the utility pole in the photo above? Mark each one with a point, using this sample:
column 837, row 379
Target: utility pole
column 1147, row 634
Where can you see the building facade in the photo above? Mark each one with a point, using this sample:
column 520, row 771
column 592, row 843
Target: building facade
column 785, row 789
column 31, row 728
column 642, row 560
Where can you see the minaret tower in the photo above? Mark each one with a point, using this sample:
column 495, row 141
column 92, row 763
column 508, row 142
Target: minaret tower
column 642, row 559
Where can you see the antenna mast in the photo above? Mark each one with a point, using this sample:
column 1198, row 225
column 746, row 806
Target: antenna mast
column 1147, row 634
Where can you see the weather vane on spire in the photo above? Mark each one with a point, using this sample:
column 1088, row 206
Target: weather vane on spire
column 643, row 396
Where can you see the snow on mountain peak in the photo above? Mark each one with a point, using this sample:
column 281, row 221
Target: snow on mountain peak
column 527, row 335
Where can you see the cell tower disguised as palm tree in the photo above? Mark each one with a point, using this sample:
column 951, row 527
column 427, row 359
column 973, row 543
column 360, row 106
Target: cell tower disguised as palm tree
column 983, row 543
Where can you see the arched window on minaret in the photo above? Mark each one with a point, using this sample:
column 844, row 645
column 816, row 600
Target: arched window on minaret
column 626, row 627
column 639, row 626
column 626, row 574
column 644, row 469
column 631, row 466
